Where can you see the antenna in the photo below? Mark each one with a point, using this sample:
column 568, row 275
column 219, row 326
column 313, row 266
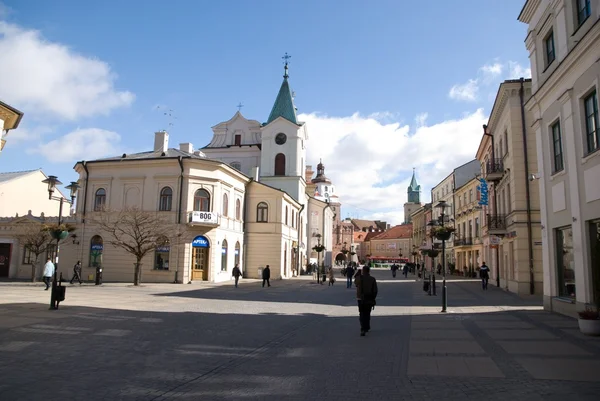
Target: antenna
column 169, row 114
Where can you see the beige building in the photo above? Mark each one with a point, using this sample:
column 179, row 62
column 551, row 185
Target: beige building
column 467, row 237
column 444, row 191
column 9, row 120
column 392, row 243
column 322, row 219
column 563, row 40
column 420, row 218
column 511, row 228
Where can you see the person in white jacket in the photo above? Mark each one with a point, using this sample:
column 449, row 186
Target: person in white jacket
column 48, row 273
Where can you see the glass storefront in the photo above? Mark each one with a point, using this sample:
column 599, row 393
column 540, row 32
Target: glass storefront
column 565, row 262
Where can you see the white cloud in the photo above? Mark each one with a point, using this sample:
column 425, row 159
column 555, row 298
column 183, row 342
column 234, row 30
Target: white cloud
column 51, row 80
column 87, row 143
column 517, row 71
column 371, row 162
column 23, row 134
column 467, row 91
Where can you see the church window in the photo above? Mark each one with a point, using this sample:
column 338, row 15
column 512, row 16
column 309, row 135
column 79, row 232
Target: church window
column 236, row 165
column 326, row 188
column 225, row 204
column 202, row 201
column 238, row 140
column 280, row 164
column 262, row 212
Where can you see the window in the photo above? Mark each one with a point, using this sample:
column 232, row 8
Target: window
column 161, row 254
column 557, row 153
column 286, row 215
column 51, row 252
column 224, row 256
column 565, row 263
column 262, row 212
column 591, row 121
column 96, row 251
column 166, row 199
column 28, row 256
column 100, row 199
column 236, row 254
column 202, row 201
column 238, row 140
column 470, row 195
column 506, row 142
column 238, row 209
column 508, row 199
column 584, row 10
column 236, row 165
column 280, row 164
column 477, row 227
column 549, row 48
column 225, row 205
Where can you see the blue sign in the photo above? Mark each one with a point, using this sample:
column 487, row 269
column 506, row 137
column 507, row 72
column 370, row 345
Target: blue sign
column 200, row 242
column 163, row 248
column 483, row 192
column 97, row 247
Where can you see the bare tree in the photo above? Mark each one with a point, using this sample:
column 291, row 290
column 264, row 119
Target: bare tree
column 136, row 231
column 37, row 240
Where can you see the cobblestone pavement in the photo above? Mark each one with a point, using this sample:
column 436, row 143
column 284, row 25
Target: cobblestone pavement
column 293, row 341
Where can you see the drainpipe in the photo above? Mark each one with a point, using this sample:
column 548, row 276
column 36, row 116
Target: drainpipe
column 180, row 160
column 87, row 179
column 244, row 214
column 495, row 209
column 527, row 189
column 299, row 228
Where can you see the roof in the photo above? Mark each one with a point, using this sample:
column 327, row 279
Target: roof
column 360, row 224
column 284, row 104
column 10, row 123
column 371, row 235
column 155, row 154
column 413, row 184
column 15, row 174
column 396, row 232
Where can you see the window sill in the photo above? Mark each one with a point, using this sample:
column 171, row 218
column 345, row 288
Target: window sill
column 161, row 270
column 580, row 25
column 590, row 156
column 548, row 66
column 558, row 174
column 565, row 300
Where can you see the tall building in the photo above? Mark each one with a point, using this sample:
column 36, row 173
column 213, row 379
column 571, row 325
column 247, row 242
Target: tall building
column 563, row 40
column 414, row 198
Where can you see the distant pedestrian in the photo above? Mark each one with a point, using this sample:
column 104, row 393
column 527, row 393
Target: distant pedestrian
column 484, row 273
column 266, row 276
column 77, row 272
column 405, row 270
column 330, row 276
column 349, row 276
column 394, row 270
column 366, row 293
column 236, row 273
column 48, row 273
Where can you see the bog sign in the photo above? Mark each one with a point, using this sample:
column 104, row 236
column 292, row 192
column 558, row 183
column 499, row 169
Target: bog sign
column 203, row 217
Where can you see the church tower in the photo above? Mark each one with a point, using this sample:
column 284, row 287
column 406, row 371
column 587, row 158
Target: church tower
column 414, row 198
column 283, row 147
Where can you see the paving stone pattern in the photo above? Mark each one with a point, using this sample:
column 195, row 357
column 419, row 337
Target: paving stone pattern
column 296, row 340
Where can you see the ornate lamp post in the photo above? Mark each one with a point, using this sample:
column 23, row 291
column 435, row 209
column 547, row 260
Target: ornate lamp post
column 444, row 234
column 52, row 182
column 318, row 249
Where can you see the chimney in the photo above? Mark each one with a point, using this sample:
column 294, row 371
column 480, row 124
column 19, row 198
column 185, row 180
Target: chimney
column 254, row 173
column 161, row 141
column 186, row 147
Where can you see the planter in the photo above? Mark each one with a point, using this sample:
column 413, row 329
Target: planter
column 590, row 327
column 58, row 234
column 433, row 253
column 443, row 236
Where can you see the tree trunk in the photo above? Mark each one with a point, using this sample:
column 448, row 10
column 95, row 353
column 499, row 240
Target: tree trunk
column 137, row 272
column 33, row 269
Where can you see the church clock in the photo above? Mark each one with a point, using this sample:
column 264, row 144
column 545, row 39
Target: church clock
column 280, row 138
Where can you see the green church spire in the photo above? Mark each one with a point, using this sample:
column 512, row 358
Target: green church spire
column 414, row 190
column 284, row 104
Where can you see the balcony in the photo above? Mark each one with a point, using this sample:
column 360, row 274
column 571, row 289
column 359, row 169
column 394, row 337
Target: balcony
column 494, row 170
column 206, row 219
column 464, row 241
column 496, row 225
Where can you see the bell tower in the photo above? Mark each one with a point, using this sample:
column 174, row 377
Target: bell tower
column 413, row 199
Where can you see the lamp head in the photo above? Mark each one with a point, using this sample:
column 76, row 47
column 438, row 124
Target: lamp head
column 52, row 182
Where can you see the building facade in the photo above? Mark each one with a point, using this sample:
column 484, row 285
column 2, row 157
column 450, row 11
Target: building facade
column 419, row 231
column 393, row 243
column 468, row 246
column 444, row 191
column 563, row 40
column 9, row 120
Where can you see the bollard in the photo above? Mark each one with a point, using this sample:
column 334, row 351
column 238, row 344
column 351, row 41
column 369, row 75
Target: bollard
column 98, row 275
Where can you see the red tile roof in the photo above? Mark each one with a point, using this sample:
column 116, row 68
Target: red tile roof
column 396, row 232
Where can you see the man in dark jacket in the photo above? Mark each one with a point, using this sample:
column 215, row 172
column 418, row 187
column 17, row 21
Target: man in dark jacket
column 236, row 273
column 349, row 275
column 366, row 293
column 484, row 273
column 266, row 275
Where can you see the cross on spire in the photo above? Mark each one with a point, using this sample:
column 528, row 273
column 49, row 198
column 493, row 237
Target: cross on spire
column 239, row 106
column 286, row 57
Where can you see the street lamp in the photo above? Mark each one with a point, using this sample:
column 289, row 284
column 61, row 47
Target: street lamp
column 442, row 206
column 432, row 254
column 52, row 182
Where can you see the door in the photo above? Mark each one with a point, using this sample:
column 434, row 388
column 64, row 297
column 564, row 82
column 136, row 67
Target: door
column 4, row 259
column 200, row 263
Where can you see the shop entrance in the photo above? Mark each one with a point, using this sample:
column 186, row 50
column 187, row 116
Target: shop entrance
column 4, row 259
column 200, row 252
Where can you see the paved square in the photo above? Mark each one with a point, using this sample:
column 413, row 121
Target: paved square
column 293, row 341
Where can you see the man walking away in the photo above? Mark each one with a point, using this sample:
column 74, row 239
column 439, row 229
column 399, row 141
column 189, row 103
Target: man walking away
column 349, row 276
column 236, row 273
column 48, row 273
column 484, row 273
column 77, row 272
column 405, row 270
column 394, row 269
column 266, row 275
column 366, row 293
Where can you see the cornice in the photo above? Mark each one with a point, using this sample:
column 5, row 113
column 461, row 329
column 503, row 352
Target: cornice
column 528, row 11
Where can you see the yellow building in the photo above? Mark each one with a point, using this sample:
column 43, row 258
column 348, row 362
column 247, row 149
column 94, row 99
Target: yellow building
column 420, row 218
column 467, row 237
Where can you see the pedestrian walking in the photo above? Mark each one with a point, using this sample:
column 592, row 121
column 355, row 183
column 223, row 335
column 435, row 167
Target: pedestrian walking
column 484, row 274
column 394, row 270
column 366, row 294
column 237, row 273
column 266, row 276
column 349, row 276
column 330, row 276
column 405, row 270
column 48, row 273
column 77, row 272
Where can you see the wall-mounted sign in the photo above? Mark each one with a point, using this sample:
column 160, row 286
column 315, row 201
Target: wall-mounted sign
column 97, row 247
column 163, row 248
column 483, row 192
column 203, row 217
column 200, row 242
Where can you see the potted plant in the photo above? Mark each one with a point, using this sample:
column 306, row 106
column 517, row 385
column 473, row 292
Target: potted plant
column 319, row 248
column 442, row 233
column 433, row 253
column 59, row 231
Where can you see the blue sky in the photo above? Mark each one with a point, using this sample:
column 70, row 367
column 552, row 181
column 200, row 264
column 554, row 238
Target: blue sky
column 384, row 86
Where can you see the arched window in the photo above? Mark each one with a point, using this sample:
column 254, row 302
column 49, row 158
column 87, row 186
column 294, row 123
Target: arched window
column 262, row 212
column 225, row 205
column 166, row 199
column 280, row 164
column 96, row 250
column 224, row 256
column 202, row 201
column 286, row 215
column 236, row 165
column 100, row 199
column 161, row 254
column 237, row 254
column 238, row 209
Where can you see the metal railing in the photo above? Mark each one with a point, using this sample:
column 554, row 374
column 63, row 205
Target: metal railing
column 496, row 222
column 494, row 166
